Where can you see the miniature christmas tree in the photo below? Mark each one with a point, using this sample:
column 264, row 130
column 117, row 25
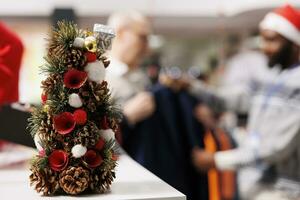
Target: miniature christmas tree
column 74, row 128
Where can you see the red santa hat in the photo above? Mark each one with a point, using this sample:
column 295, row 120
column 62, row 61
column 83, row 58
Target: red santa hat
column 11, row 51
column 285, row 21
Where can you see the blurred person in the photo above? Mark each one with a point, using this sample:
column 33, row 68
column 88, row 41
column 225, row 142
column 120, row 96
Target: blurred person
column 273, row 126
column 129, row 47
column 126, row 79
column 167, row 136
column 152, row 66
column 203, row 132
column 209, row 111
column 242, row 70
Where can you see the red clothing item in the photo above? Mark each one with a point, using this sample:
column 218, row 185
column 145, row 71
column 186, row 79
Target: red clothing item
column 11, row 51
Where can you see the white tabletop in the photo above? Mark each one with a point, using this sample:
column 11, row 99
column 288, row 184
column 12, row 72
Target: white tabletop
column 132, row 182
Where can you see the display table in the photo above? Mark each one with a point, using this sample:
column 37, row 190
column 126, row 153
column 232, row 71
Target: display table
column 132, row 182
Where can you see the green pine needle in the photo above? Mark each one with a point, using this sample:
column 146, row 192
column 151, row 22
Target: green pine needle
column 39, row 162
column 35, row 120
column 64, row 35
column 54, row 65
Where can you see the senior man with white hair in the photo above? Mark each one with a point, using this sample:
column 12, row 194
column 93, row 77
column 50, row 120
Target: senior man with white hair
column 126, row 79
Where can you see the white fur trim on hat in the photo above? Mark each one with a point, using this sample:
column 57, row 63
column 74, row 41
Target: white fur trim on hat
column 281, row 25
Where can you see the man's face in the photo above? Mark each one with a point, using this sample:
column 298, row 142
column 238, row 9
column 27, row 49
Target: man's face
column 204, row 115
column 135, row 39
column 277, row 48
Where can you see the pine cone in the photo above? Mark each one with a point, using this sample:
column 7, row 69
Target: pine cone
column 47, row 133
column 51, row 138
column 87, row 135
column 49, row 84
column 87, row 99
column 100, row 181
column 94, row 94
column 56, row 50
column 114, row 124
column 100, row 91
column 74, row 180
column 75, row 58
column 105, row 61
column 44, row 180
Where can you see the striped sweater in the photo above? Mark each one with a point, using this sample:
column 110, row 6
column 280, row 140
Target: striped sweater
column 273, row 126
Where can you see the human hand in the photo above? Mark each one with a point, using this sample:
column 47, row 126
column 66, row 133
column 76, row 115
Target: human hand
column 139, row 107
column 202, row 159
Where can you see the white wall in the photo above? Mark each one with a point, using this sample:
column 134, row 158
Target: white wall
column 151, row 7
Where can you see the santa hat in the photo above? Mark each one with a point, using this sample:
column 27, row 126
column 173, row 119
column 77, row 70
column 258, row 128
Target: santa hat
column 11, row 51
column 285, row 21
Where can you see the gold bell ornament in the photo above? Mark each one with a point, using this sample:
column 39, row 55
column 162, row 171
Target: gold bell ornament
column 90, row 44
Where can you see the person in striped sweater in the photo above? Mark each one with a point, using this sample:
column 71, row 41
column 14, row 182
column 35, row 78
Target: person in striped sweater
column 274, row 121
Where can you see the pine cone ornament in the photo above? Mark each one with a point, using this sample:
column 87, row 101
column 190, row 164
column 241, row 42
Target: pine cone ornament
column 46, row 125
column 105, row 60
column 56, row 50
column 101, row 180
column 49, row 84
column 114, row 124
column 88, row 135
column 74, row 58
column 74, row 180
column 100, row 91
column 44, row 180
column 51, row 138
column 66, row 128
column 47, row 133
column 61, row 38
column 94, row 94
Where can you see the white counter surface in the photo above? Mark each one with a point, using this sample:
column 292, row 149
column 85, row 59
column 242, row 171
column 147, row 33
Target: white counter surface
column 132, row 182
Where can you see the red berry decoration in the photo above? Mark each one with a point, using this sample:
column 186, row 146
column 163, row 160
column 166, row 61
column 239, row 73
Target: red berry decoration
column 90, row 56
column 64, row 123
column 58, row 160
column 74, row 78
column 100, row 144
column 80, row 116
column 104, row 123
column 93, row 159
column 114, row 157
column 44, row 97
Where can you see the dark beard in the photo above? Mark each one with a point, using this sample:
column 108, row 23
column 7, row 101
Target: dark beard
column 283, row 57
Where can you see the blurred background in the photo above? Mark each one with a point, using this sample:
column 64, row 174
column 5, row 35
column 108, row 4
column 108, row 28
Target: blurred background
column 185, row 33
column 207, row 52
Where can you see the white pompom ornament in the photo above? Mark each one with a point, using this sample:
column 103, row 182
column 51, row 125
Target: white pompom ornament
column 95, row 71
column 78, row 151
column 78, row 42
column 38, row 142
column 75, row 101
column 107, row 134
